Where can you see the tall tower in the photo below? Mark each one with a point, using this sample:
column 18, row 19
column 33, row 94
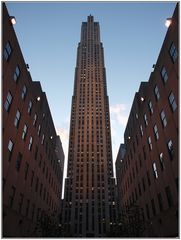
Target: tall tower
column 89, row 204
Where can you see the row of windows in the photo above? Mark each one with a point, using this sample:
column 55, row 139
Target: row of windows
column 151, row 206
column 162, row 165
column 23, row 206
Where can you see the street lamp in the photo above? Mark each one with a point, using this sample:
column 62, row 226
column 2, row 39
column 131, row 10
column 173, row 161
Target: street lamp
column 168, row 22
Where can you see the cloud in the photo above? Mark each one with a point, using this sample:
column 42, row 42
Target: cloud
column 119, row 113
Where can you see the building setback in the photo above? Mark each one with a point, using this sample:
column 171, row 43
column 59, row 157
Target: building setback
column 89, row 204
column 33, row 157
column 147, row 171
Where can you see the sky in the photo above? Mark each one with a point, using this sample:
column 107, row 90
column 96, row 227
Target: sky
column 132, row 34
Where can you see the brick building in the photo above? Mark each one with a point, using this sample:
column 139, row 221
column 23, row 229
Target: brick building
column 147, row 163
column 33, row 157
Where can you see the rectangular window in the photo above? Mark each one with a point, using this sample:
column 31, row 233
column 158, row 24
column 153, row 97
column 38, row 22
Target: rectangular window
column 172, row 102
column 150, row 107
column 149, row 143
column 36, row 152
column 26, row 170
column 157, row 94
column 27, row 207
column 153, row 207
column 163, row 118
column 170, row 149
column 160, row 201
column 141, row 130
column 24, row 92
column 12, row 195
column 164, row 74
column 162, row 165
column 39, row 130
column 30, row 143
column 25, row 130
column 155, row 128
column 173, row 52
column 147, row 211
column 17, row 119
column 33, row 211
column 155, row 172
column 10, row 149
column 30, row 107
column 143, row 183
column 8, row 102
column 16, row 74
column 18, row 161
column 7, row 51
column 35, row 120
column 21, row 202
column 145, row 119
column 43, row 138
column 32, row 177
column 169, row 196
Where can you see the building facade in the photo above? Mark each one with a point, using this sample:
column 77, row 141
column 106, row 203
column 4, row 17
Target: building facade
column 32, row 153
column 89, row 204
column 147, row 172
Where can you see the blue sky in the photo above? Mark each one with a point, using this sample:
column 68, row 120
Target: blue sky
column 132, row 34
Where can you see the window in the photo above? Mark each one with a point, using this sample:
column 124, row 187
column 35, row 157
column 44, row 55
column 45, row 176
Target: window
column 24, row 92
column 21, row 202
column 156, row 132
column 30, row 143
column 25, row 129
column 18, row 161
column 36, row 152
column 164, row 74
column 27, row 207
column 34, row 119
column 149, row 143
column 153, row 207
column 10, row 149
column 7, row 51
column 32, row 177
column 169, row 196
column 17, row 119
column 143, row 183
column 12, row 195
column 163, row 118
column 160, row 201
column 155, row 172
column 173, row 52
column 157, row 94
column 147, row 211
column 148, row 178
column 141, row 130
column 43, row 138
column 145, row 119
column 39, row 129
column 16, row 74
column 26, row 170
column 170, row 148
column 172, row 102
column 150, row 107
column 8, row 102
column 162, row 165
column 30, row 107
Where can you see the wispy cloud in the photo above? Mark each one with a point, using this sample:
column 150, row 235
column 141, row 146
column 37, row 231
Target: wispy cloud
column 119, row 113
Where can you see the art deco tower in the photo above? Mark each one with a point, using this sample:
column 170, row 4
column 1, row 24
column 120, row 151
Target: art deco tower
column 89, row 205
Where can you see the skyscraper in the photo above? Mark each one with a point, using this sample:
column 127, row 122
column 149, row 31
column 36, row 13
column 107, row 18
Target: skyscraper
column 89, row 205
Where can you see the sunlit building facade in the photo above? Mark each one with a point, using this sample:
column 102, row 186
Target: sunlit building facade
column 147, row 171
column 33, row 158
column 89, row 204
